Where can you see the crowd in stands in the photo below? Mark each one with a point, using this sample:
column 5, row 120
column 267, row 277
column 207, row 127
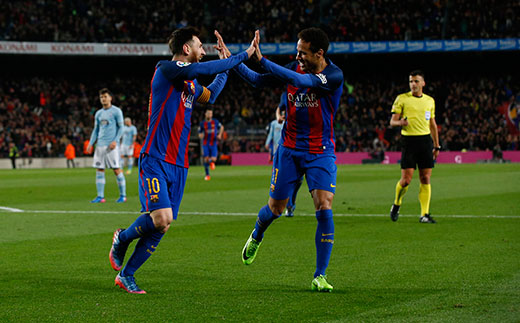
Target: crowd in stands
column 41, row 114
column 134, row 21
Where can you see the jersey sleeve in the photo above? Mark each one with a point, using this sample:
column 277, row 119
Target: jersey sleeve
column 255, row 79
column 176, row 70
column 397, row 107
column 201, row 127
column 214, row 89
column 328, row 82
column 119, row 124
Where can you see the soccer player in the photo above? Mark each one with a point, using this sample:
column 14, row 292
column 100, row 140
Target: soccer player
column 273, row 139
column 209, row 131
column 108, row 128
column 314, row 87
column 275, row 127
column 127, row 144
column 163, row 164
column 414, row 111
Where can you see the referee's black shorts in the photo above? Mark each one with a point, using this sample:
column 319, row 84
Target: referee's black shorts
column 416, row 151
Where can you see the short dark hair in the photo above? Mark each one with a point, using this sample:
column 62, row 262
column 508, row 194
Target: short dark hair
column 180, row 37
column 105, row 90
column 317, row 38
column 417, row 72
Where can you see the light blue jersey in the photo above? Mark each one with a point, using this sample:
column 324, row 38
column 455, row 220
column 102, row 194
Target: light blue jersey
column 108, row 126
column 128, row 135
column 275, row 132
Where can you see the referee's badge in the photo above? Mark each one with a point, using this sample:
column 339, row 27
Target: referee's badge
column 427, row 115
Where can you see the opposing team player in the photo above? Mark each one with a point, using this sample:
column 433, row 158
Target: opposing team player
column 210, row 130
column 163, row 164
column 107, row 132
column 127, row 145
column 272, row 141
column 314, row 87
column 414, row 111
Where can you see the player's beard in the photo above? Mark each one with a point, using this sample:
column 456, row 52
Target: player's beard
column 307, row 66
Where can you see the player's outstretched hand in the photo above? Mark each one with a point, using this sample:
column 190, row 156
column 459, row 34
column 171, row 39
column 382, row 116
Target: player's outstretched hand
column 223, row 51
column 256, row 41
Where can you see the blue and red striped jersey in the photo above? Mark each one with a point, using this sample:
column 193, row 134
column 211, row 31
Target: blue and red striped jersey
column 174, row 90
column 210, row 130
column 311, row 104
column 310, row 111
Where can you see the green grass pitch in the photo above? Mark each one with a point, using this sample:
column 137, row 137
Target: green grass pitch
column 466, row 268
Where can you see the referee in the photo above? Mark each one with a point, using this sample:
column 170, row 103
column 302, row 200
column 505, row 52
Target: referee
column 414, row 111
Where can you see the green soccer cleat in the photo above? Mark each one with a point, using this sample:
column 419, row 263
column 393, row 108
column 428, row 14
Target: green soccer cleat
column 250, row 250
column 320, row 284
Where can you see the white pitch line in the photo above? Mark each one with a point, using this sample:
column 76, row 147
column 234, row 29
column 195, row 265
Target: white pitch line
column 13, row 210
column 10, row 209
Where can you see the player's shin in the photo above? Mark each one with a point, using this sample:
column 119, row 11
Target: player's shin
column 121, row 183
column 145, row 247
column 324, row 240
column 100, row 183
column 142, row 226
column 425, row 191
column 265, row 218
column 399, row 193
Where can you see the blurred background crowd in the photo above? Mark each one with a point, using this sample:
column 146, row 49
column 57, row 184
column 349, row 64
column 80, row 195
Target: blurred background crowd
column 41, row 112
column 133, row 21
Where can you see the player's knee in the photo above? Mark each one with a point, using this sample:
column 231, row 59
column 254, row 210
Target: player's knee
column 277, row 206
column 425, row 179
column 162, row 221
column 324, row 203
column 162, row 225
column 405, row 181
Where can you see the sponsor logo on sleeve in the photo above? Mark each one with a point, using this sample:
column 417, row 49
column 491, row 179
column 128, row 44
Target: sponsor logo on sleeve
column 183, row 64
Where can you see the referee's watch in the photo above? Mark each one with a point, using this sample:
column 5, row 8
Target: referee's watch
column 438, row 148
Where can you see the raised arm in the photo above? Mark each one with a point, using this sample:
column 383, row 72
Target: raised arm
column 255, row 79
column 292, row 77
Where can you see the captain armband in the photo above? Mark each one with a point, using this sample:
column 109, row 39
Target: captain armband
column 205, row 95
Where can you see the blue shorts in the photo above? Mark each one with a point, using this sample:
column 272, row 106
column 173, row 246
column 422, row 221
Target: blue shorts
column 209, row 151
column 161, row 184
column 290, row 165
